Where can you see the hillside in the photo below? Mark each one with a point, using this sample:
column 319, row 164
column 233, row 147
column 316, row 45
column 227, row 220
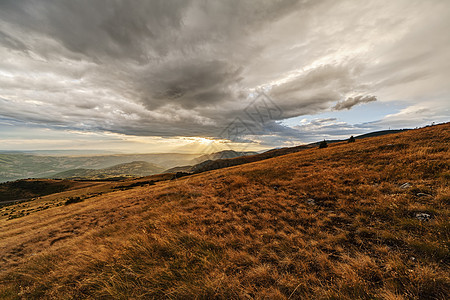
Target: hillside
column 226, row 154
column 45, row 164
column 380, row 133
column 222, row 155
column 214, row 164
column 132, row 169
column 366, row 220
column 227, row 159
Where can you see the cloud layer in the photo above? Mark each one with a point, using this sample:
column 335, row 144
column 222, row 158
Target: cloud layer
column 352, row 101
column 189, row 68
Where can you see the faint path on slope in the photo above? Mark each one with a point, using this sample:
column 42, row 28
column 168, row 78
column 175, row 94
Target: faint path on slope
column 13, row 201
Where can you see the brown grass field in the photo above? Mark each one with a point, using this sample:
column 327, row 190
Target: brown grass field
column 329, row 223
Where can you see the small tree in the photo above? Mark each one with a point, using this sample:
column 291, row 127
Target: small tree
column 351, row 139
column 323, row 144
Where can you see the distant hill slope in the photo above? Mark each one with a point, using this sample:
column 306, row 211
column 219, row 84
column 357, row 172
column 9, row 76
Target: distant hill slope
column 132, row 169
column 380, row 133
column 222, row 155
column 185, row 169
column 229, row 162
column 226, row 159
column 226, row 154
column 224, row 163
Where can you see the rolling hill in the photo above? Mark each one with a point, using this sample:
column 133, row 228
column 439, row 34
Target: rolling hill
column 219, row 163
column 45, row 164
column 222, row 155
column 365, row 220
column 15, row 166
column 226, row 159
column 226, row 154
column 132, row 169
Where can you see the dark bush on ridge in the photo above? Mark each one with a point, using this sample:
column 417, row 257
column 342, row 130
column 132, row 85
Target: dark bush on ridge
column 323, row 144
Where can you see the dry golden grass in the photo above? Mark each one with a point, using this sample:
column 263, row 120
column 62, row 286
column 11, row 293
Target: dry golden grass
column 253, row 231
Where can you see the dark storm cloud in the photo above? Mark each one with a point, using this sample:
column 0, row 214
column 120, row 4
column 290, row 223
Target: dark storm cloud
column 190, row 83
column 181, row 61
column 8, row 41
column 100, row 30
column 352, row 101
column 330, row 128
column 189, row 68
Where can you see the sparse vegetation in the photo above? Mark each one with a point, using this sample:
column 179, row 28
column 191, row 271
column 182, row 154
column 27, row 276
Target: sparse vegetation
column 72, row 200
column 340, row 223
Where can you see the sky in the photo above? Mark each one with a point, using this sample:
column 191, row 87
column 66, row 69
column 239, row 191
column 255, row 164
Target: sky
column 198, row 76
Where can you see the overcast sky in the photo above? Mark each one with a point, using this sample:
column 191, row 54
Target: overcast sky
column 155, row 76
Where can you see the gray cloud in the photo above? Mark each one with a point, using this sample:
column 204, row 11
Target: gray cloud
column 10, row 42
column 100, row 30
column 312, row 131
column 352, row 101
column 190, row 83
column 331, row 128
column 312, row 92
column 187, row 68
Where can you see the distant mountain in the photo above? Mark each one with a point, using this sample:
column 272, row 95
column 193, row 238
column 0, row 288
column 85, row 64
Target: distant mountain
column 213, row 164
column 222, row 155
column 229, row 162
column 20, row 165
column 179, row 169
column 226, row 154
column 133, row 169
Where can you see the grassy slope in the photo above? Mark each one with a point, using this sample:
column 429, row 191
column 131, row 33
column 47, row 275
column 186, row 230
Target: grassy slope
column 229, row 162
column 251, row 231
